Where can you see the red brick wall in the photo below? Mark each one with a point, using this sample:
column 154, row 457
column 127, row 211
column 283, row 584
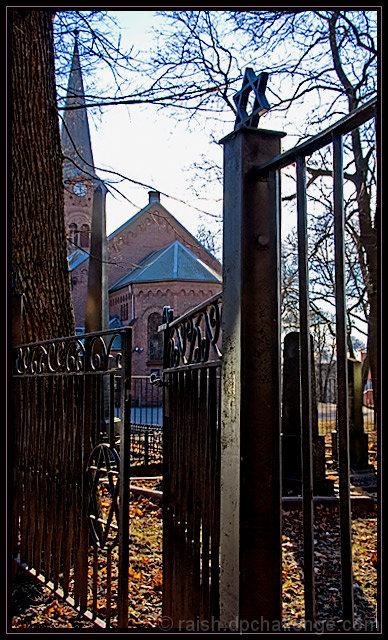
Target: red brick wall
column 151, row 298
column 154, row 229
column 78, row 209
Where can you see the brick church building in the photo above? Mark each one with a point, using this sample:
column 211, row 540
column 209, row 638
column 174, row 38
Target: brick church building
column 151, row 260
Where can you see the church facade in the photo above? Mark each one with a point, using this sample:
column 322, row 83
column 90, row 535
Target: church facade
column 151, row 260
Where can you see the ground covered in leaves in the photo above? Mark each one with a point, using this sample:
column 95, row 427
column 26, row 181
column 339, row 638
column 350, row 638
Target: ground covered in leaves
column 328, row 568
column 32, row 606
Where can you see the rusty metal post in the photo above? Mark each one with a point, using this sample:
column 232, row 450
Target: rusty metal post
column 250, row 529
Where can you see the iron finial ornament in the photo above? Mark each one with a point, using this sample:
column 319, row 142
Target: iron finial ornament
column 257, row 84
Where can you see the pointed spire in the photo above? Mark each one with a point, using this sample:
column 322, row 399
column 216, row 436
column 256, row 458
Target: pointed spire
column 75, row 133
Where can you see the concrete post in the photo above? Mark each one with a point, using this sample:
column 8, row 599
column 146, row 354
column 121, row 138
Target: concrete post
column 250, row 578
column 97, row 309
column 358, row 439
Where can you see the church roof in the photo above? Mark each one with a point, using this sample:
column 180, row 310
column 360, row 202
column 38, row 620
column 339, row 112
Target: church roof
column 149, row 207
column 131, row 220
column 76, row 258
column 75, row 133
column 174, row 262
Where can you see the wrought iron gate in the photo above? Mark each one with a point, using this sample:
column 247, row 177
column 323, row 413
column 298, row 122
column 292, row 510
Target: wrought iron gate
column 221, row 459
column 222, row 424
column 191, row 466
column 70, row 473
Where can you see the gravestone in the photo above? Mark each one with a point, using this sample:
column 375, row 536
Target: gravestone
column 292, row 428
column 358, row 440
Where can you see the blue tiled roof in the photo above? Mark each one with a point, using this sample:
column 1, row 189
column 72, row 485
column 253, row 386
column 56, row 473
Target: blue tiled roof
column 174, row 262
column 76, row 258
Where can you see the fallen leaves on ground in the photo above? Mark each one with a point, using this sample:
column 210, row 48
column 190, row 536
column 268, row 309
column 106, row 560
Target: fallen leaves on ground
column 34, row 606
column 327, row 573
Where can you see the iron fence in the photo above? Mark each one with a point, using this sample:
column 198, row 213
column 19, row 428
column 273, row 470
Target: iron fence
column 196, row 533
column 146, row 446
column 146, row 424
column 270, row 170
column 70, row 489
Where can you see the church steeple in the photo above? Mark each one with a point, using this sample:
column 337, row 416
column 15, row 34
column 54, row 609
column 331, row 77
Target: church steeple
column 75, row 133
column 85, row 202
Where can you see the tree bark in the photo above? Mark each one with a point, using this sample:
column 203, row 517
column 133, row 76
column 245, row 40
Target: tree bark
column 39, row 256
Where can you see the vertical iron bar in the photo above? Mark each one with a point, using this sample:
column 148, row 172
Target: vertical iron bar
column 146, row 446
column 112, row 409
column 377, row 394
column 306, row 404
column 81, row 584
column 95, row 581
column 125, row 438
column 342, row 386
column 169, row 383
column 108, row 586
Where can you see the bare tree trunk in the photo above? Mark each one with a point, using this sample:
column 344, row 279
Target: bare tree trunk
column 39, row 257
column 368, row 232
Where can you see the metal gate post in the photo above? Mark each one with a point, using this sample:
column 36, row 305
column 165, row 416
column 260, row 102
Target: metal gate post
column 250, row 527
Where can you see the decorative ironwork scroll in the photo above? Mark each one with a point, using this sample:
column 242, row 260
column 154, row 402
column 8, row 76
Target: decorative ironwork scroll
column 95, row 353
column 195, row 337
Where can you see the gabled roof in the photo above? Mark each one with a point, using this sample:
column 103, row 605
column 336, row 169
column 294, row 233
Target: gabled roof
column 130, row 220
column 79, row 256
column 176, row 222
column 174, row 262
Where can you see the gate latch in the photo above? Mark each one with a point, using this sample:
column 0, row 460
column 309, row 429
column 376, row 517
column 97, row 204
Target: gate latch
column 158, row 382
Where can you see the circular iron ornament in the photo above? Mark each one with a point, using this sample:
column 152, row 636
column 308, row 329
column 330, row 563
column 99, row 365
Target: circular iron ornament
column 103, row 510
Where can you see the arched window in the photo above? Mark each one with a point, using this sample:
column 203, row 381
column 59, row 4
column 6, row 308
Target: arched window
column 155, row 339
column 73, row 235
column 84, row 236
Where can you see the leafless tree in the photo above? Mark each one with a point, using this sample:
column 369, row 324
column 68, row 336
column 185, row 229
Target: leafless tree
column 324, row 62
